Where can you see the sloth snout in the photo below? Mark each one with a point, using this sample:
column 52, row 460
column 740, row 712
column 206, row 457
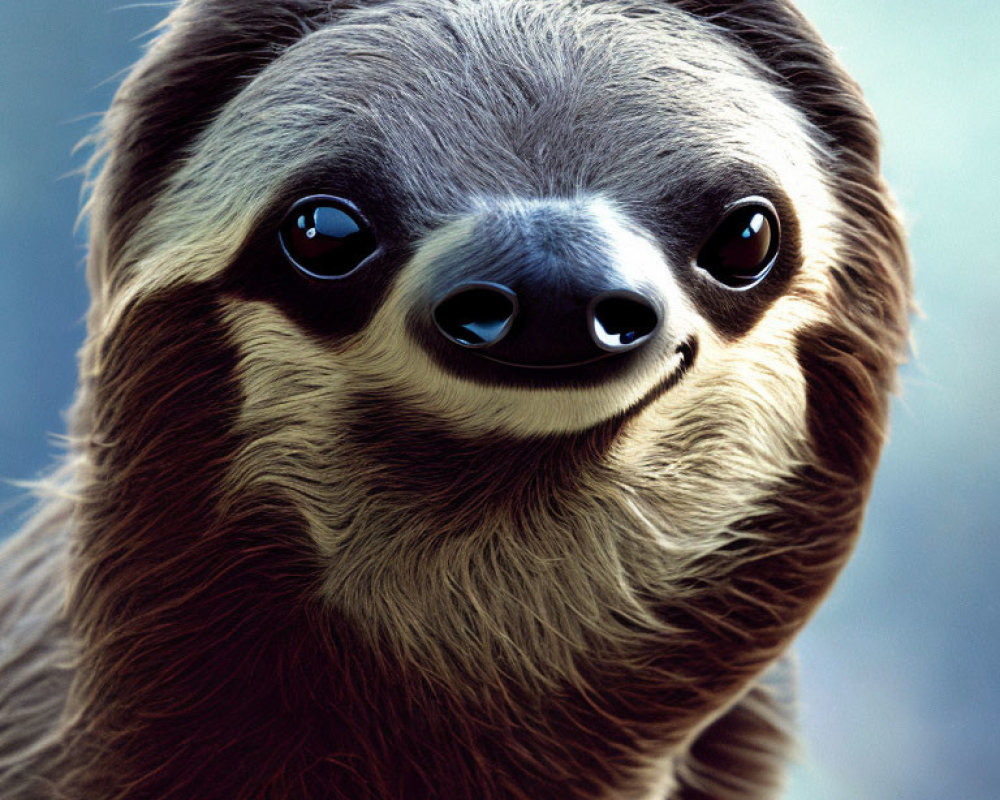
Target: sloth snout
column 544, row 326
column 543, row 283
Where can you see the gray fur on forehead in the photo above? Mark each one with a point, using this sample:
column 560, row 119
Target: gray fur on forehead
column 508, row 96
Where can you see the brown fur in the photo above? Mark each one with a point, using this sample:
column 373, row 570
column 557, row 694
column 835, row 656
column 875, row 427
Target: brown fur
column 234, row 595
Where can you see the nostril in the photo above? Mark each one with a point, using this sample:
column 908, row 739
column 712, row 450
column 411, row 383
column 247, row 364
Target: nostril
column 622, row 321
column 476, row 314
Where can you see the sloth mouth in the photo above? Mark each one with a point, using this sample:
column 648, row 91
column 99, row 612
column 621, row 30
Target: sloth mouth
column 589, row 371
column 593, row 371
column 566, row 365
column 418, row 455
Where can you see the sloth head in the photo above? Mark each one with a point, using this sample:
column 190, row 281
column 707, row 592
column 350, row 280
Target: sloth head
column 529, row 333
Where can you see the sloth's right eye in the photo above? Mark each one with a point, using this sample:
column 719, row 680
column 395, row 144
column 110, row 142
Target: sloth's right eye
column 326, row 237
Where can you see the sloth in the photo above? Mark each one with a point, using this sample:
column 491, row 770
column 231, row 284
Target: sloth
column 478, row 397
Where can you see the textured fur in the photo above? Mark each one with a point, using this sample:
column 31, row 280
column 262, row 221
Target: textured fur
column 294, row 554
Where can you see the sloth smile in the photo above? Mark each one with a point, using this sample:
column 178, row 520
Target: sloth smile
column 568, row 365
column 686, row 354
column 591, row 373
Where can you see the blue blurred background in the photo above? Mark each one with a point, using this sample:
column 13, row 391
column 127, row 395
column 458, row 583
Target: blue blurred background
column 900, row 670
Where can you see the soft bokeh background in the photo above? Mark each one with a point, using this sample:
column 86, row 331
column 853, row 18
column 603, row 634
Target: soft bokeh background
column 901, row 667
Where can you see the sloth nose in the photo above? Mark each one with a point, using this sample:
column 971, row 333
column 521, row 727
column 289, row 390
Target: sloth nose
column 545, row 327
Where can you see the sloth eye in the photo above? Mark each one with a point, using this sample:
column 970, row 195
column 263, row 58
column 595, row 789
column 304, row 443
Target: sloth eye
column 326, row 237
column 742, row 249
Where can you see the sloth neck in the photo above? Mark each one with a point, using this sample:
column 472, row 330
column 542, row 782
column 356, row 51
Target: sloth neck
column 206, row 636
column 211, row 669
column 230, row 684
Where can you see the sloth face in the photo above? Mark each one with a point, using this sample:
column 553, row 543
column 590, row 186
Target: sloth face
column 512, row 310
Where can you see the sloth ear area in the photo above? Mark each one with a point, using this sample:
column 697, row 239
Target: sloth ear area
column 206, row 52
column 777, row 33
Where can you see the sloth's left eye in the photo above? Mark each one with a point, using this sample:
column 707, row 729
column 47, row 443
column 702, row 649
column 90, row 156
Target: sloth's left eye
column 326, row 237
column 743, row 247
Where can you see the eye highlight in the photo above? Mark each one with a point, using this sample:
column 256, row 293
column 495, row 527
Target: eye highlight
column 743, row 247
column 326, row 237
